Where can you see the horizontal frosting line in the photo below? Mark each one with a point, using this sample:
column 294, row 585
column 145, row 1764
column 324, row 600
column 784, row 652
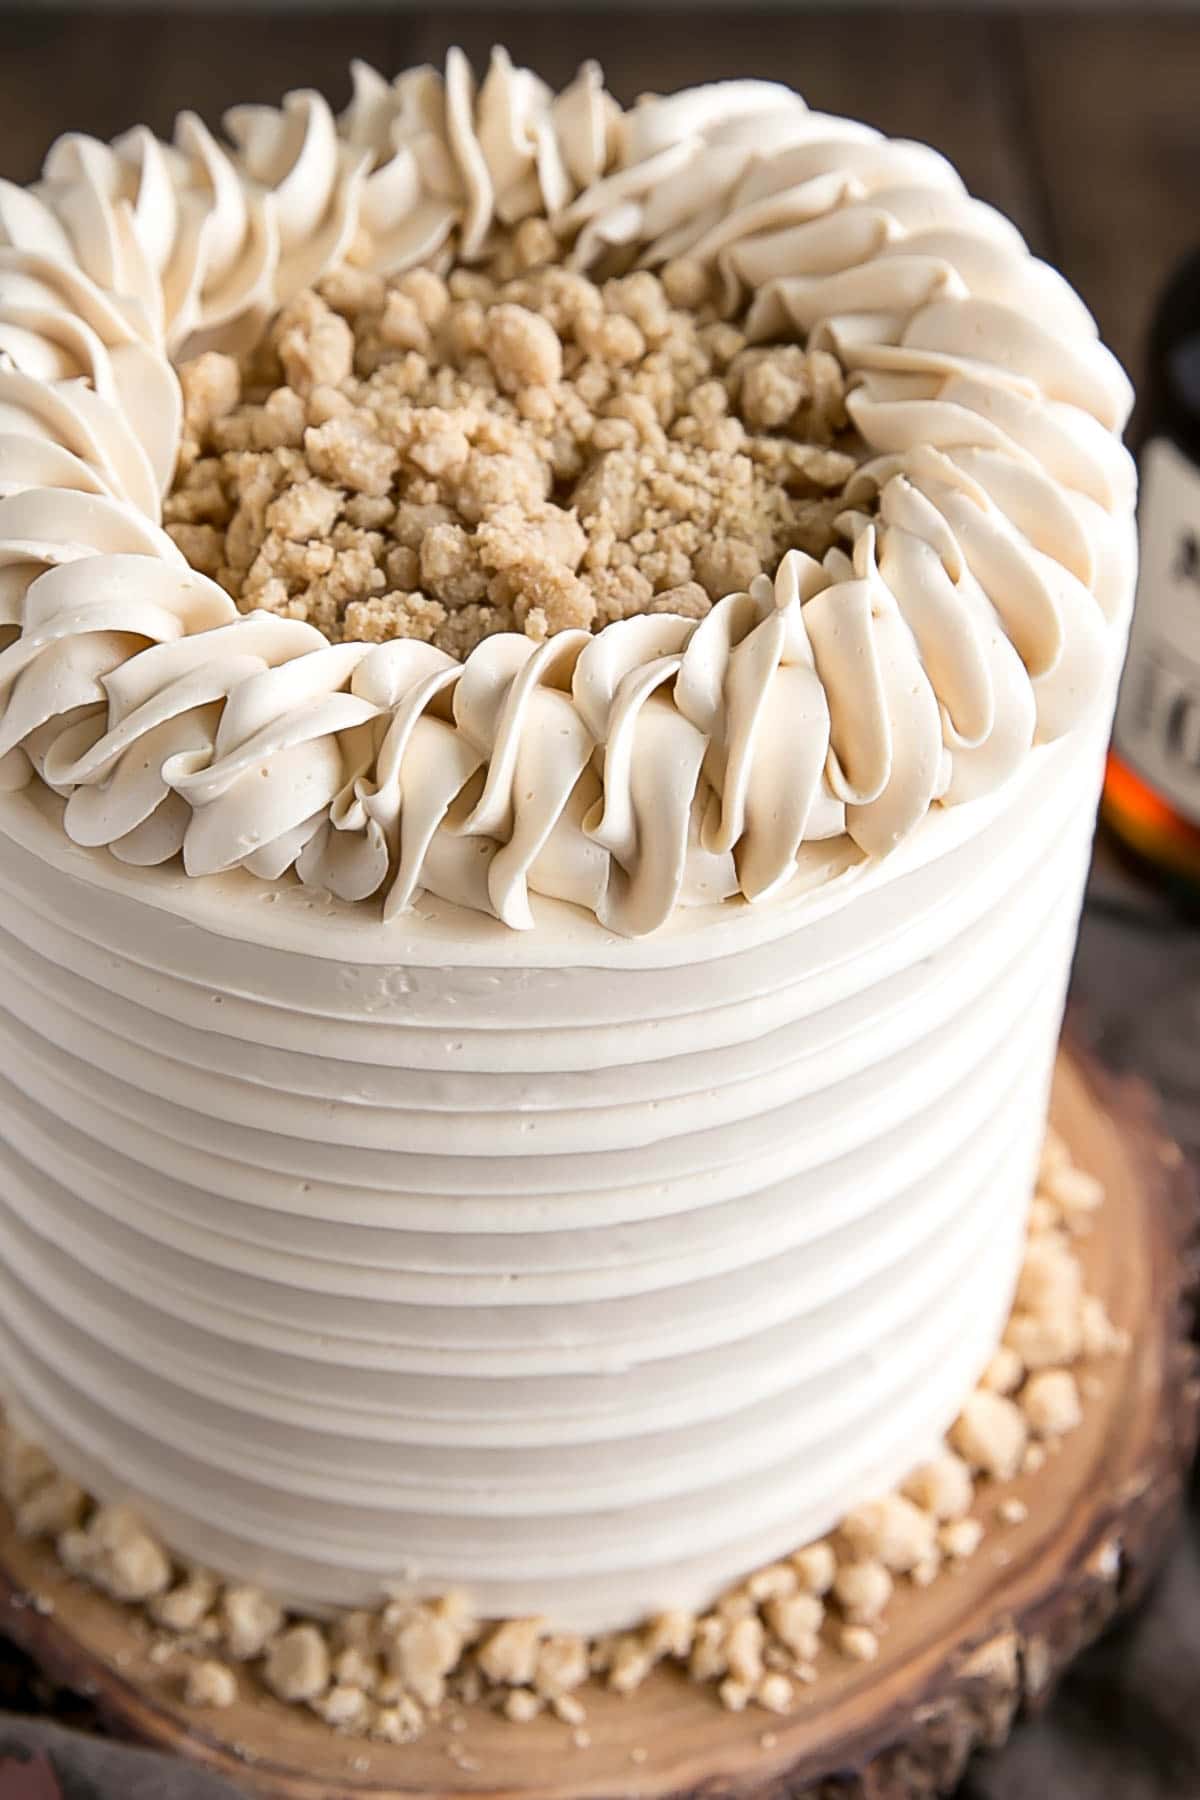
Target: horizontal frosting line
column 267, row 1413
column 695, row 1158
column 554, row 1047
column 603, row 1263
column 519, row 1284
column 829, row 1407
column 525, row 1485
column 270, row 1379
column 566, row 1346
column 330, row 952
column 783, row 1067
column 653, row 1539
column 903, row 1323
column 836, row 1261
column 714, row 1322
column 889, row 933
column 568, row 1600
column 163, row 1060
column 269, row 1150
column 545, row 1409
column 835, row 1191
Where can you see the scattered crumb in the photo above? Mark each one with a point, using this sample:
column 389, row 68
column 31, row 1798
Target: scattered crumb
column 421, row 1645
column 1005, row 1372
column 569, row 1709
column 1050, row 1402
column 632, row 1661
column 863, row 1590
column 960, row 1538
column 796, row 1620
column 521, row 1705
column 116, row 1552
column 183, row 1607
column 1075, row 1191
column 297, row 1663
column 398, row 1724
column 562, row 1661
column 250, row 1619
column 893, row 1530
column 858, row 1643
column 990, row 1434
column 509, row 1655
column 345, row 1708
column 815, row 1566
column 943, row 1487
column 774, row 1693
column 734, row 1695
column 210, row 1684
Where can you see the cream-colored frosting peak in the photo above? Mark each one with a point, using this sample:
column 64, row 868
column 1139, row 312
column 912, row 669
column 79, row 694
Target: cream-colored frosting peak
column 976, row 603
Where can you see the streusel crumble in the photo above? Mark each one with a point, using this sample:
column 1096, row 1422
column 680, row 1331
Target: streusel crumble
column 520, row 448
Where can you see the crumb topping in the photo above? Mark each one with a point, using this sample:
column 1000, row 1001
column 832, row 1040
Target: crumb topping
column 516, row 449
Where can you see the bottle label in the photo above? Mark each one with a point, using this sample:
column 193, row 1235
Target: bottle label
column 1158, row 713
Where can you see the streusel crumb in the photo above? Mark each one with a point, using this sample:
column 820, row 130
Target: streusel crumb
column 514, row 450
column 210, row 1684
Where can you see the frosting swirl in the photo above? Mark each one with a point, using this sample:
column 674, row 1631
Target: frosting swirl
column 975, row 606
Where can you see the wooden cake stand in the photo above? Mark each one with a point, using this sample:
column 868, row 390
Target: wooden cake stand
column 958, row 1659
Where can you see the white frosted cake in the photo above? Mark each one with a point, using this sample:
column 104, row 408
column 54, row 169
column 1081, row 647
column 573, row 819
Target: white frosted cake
column 526, row 1015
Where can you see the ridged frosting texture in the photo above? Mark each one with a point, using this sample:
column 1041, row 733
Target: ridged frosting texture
column 581, row 1272
column 974, row 608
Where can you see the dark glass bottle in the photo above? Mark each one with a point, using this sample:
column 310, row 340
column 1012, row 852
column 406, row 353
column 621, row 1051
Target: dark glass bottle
column 1152, row 785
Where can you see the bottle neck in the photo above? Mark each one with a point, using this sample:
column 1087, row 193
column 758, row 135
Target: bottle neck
column 1181, row 399
column 1170, row 400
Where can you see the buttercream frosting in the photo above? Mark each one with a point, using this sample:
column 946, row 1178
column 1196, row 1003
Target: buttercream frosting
column 366, row 1238
column 582, row 1272
column 977, row 598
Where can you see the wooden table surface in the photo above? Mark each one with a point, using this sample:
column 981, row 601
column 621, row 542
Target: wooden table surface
column 1086, row 130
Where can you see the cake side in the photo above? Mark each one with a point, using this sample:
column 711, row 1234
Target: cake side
column 588, row 1338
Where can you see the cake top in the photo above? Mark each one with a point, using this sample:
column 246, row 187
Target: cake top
column 634, row 508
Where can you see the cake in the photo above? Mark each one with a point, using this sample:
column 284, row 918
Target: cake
column 557, row 667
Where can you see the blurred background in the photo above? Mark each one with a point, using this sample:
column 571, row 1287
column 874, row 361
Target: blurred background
column 1082, row 123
